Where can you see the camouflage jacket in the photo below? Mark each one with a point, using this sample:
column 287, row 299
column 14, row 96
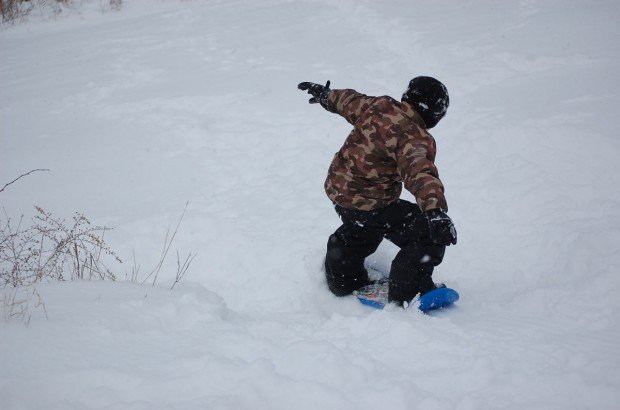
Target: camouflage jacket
column 388, row 146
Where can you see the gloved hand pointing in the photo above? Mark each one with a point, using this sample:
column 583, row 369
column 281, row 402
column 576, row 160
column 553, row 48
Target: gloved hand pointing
column 319, row 92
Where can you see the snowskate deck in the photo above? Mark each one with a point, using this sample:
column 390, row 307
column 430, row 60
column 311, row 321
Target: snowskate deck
column 376, row 295
column 437, row 299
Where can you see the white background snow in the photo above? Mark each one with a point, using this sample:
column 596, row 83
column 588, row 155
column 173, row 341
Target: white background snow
column 137, row 112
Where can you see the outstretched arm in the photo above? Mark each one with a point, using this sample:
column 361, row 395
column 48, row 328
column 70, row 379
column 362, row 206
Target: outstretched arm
column 348, row 103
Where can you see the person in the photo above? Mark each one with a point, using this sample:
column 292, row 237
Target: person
column 389, row 147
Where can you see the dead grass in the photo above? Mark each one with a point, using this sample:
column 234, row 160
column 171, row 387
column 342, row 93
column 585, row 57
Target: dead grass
column 14, row 10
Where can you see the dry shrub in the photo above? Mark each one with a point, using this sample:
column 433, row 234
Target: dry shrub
column 11, row 10
column 48, row 249
column 52, row 249
column 115, row 4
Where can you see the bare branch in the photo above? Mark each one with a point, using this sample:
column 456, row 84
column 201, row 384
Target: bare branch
column 23, row 175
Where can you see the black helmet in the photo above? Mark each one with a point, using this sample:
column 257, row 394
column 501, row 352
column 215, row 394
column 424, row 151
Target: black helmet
column 429, row 97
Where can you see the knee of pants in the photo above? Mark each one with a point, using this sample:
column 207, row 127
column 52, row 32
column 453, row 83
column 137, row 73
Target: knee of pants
column 343, row 257
column 335, row 248
column 431, row 255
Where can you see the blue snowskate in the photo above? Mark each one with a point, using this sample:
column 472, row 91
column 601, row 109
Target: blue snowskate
column 376, row 295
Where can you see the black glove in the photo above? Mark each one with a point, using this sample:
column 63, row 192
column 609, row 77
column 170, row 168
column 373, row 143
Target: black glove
column 318, row 92
column 440, row 226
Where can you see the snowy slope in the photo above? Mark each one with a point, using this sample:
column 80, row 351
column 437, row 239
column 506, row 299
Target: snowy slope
column 139, row 111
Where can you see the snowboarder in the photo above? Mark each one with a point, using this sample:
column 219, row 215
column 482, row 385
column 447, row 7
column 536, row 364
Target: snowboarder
column 389, row 146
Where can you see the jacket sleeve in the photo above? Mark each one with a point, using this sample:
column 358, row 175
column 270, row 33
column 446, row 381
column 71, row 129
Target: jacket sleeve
column 349, row 103
column 415, row 159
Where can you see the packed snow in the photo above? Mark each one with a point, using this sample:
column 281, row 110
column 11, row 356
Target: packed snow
column 138, row 112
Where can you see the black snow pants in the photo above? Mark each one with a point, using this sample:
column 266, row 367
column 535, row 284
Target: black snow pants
column 361, row 232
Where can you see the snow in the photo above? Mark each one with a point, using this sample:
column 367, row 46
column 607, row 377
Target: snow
column 137, row 112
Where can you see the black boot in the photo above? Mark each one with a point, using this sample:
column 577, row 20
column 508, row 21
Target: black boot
column 401, row 291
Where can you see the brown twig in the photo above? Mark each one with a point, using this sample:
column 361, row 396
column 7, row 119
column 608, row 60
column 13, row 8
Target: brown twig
column 23, row 175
